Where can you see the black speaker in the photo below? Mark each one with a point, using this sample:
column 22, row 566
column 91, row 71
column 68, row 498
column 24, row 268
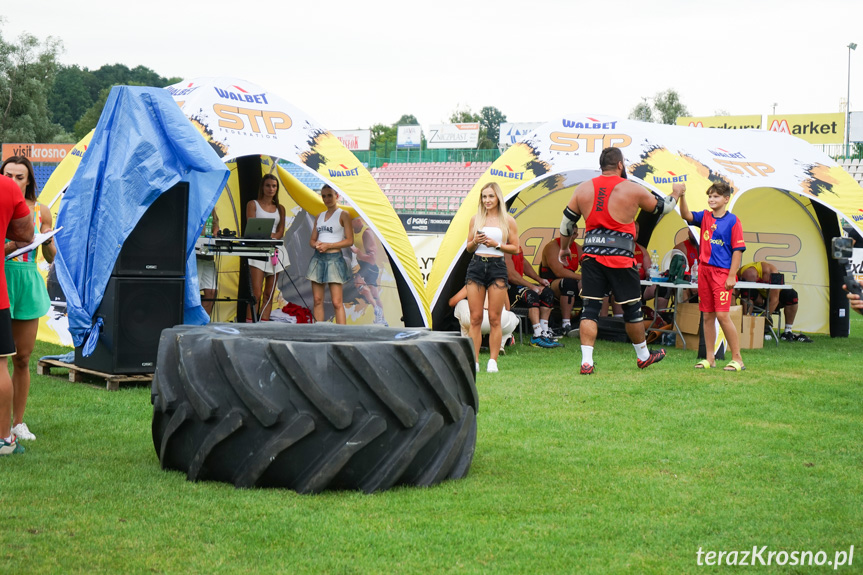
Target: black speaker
column 135, row 311
column 157, row 245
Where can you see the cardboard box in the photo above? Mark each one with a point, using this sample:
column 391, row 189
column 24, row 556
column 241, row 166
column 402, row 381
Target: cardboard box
column 688, row 317
column 752, row 334
column 691, row 342
column 736, row 313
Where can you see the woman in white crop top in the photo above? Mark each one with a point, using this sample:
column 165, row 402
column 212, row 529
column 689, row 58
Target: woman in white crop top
column 492, row 234
column 261, row 271
column 332, row 233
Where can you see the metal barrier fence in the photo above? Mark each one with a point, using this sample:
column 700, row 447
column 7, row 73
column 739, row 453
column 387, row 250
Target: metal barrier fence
column 372, row 158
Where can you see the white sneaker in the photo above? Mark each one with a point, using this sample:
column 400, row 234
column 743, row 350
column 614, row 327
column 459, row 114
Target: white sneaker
column 23, row 432
column 492, row 366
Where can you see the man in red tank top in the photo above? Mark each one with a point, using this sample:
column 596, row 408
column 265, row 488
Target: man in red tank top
column 609, row 204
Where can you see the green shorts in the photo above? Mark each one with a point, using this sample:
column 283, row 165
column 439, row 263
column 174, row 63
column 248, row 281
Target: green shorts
column 28, row 295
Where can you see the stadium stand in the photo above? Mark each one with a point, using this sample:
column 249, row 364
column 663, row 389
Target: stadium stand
column 428, row 187
column 415, row 187
column 305, row 177
column 853, row 166
column 43, row 173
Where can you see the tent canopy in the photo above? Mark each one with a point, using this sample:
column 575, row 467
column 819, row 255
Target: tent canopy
column 141, row 147
column 236, row 119
column 786, row 192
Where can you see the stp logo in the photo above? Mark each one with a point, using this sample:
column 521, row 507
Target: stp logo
column 567, row 142
column 239, row 118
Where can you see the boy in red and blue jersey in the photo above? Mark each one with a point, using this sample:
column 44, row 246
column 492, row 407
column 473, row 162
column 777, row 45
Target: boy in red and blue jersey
column 720, row 254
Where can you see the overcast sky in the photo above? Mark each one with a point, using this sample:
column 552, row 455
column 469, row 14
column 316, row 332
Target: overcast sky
column 351, row 64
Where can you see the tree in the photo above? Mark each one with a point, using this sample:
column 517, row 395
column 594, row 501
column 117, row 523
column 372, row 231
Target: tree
column 383, row 138
column 98, row 84
column 642, row 111
column 27, row 71
column 490, row 120
column 91, row 117
column 463, row 116
column 69, row 97
column 407, row 120
column 665, row 108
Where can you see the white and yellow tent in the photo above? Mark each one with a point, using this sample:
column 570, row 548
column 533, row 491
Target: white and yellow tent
column 241, row 119
column 788, row 195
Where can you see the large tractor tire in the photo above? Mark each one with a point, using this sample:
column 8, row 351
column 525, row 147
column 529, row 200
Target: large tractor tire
column 314, row 407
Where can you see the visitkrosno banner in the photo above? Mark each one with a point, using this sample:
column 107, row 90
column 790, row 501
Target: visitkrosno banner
column 38, row 153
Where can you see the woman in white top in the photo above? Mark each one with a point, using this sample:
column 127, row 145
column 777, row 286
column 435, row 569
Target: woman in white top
column 262, row 272
column 332, row 232
column 491, row 234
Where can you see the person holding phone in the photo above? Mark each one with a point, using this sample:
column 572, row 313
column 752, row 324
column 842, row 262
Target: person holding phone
column 491, row 234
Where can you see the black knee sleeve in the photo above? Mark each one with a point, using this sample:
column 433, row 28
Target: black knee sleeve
column 591, row 309
column 788, row 297
column 632, row 312
column 530, row 298
column 546, row 297
column 569, row 287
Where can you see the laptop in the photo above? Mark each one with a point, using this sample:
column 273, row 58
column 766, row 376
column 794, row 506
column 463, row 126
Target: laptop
column 258, row 229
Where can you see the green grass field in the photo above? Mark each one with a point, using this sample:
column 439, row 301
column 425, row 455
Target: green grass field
column 627, row 471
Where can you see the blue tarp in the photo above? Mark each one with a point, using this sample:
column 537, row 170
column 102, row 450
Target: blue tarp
column 142, row 146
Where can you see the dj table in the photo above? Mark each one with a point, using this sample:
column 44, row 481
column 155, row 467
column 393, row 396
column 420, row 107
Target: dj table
column 236, row 247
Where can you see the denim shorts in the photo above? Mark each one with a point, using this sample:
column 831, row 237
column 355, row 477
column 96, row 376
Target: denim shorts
column 486, row 271
column 328, row 268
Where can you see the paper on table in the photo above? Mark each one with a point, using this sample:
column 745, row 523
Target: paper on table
column 38, row 240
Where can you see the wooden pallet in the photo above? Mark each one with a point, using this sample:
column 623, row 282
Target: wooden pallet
column 82, row 375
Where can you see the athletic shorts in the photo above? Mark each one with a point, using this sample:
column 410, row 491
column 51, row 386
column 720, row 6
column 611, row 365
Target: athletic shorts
column 328, row 268
column 206, row 274
column 712, row 295
column 7, row 343
column 28, row 294
column 485, row 271
column 597, row 281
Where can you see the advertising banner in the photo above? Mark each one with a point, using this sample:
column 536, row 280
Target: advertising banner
column 512, row 132
column 453, row 136
column 354, row 140
column 727, row 122
column 425, row 223
column 426, row 247
column 38, row 153
column 814, row 128
column 409, row 137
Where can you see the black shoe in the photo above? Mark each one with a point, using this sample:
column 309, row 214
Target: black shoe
column 788, row 336
column 802, row 338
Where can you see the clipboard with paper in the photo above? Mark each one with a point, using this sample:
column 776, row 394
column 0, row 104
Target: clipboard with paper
column 38, row 240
